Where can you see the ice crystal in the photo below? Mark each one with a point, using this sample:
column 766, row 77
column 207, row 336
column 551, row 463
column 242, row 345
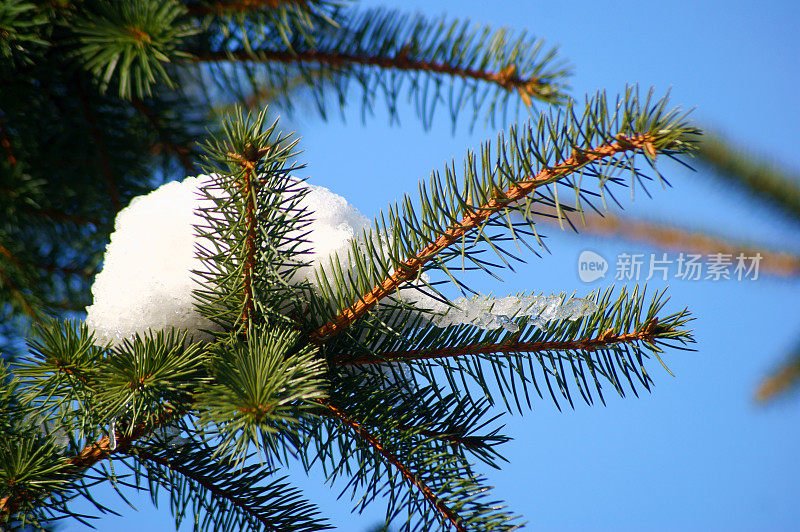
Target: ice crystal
column 493, row 313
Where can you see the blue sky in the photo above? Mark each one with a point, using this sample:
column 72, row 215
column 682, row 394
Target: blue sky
column 697, row 453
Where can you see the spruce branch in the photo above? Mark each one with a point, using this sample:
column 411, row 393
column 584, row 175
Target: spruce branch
column 445, row 421
column 144, row 377
column 237, row 6
column 259, row 391
column 73, row 170
column 768, row 182
column 74, row 467
column 150, row 382
column 447, row 514
column 598, row 143
column 249, row 171
column 231, row 23
column 136, row 388
column 293, row 367
column 21, row 25
column 612, row 345
column 61, row 363
column 222, row 495
column 380, row 51
column 507, row 78
column 646, row 332
column 388, row 428
column 131, row 44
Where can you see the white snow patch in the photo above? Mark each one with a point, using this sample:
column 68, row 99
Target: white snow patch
column 146, row 280
column 335, row 223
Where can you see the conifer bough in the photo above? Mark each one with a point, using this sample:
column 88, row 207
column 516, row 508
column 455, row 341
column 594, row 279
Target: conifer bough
column 262, row 382
column 338, row 365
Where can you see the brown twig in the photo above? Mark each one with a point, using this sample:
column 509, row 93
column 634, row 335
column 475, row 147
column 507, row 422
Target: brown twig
column 506, row 78
column 446, row 512
column 781, row 380
column 248, row 194
column 97, row 451
column 237, row 6
column 607, row 338
column 181, row 152
column 408, row 269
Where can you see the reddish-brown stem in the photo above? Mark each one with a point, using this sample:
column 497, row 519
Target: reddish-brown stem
column 105, row 163
column 249, row 196
column 408, row 269
column 447, row 513
column 5, row 140
column 780, row 381
column 181, row 152
column 237, row 6
column 604, row 340
column 506, row 78
column 97, row 451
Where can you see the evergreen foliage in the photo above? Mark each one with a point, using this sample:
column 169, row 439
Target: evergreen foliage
column 346, row 375
column 779, row 189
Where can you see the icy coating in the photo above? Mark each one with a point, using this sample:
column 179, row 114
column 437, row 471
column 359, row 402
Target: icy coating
column 492, row 313
column 146, row 282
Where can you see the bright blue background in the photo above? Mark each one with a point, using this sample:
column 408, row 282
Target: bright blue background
column 697, row 453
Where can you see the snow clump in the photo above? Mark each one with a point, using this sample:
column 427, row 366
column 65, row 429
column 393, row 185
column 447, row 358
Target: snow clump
column 147, row 280
column 334, row 224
